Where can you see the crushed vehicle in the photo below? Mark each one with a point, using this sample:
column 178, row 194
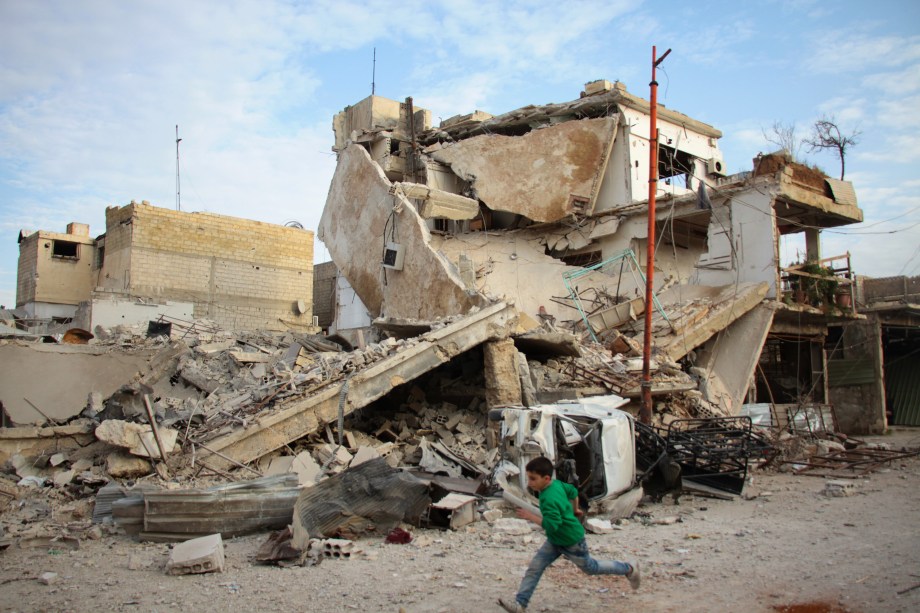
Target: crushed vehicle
column 591, row 442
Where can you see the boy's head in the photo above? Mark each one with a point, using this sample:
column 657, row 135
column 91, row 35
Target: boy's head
column 539, row 473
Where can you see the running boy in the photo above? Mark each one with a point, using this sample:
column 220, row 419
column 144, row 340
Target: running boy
column 564, row 536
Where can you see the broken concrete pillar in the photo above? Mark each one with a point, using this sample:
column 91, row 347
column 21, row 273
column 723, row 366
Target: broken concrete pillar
column 528, row 391
column 200, row 555
column 503, row 384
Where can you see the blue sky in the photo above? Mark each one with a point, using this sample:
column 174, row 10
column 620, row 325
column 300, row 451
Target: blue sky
column 91, row 91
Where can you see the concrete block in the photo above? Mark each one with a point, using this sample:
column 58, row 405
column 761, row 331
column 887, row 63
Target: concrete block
column 137, row 438
column 200, row 555
column 596, row 525
column 512, row 526
column 124, row 466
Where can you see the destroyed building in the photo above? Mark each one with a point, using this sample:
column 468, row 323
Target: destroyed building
column 545, row 207
column 151, row 261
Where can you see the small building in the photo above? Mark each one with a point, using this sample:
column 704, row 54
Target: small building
column 56, row 271
column 239, row 273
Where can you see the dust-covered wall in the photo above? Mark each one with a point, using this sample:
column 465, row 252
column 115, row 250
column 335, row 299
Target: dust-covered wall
column 240, row 273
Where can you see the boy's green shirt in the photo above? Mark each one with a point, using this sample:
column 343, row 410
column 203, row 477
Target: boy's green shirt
column 559, row 522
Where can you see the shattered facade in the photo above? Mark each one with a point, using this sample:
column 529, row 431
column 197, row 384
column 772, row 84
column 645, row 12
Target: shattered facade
column 544, row 207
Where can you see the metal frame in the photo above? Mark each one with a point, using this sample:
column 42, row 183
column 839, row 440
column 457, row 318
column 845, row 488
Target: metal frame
column 628, row 256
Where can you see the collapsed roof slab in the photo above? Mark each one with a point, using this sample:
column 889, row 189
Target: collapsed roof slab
column 298, row 418
column 362, row 214
column 39, row 382
column 730, row 359
column 544, row 175
column 707, row 311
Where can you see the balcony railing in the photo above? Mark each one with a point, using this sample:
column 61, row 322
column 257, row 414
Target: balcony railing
column 826, row 284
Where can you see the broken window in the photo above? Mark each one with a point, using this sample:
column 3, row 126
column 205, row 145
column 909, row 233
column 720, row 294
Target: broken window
column 674, row 167
column 583, row 260
column 65, row 249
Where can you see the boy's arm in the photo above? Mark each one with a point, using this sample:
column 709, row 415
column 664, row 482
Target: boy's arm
column 578, row 512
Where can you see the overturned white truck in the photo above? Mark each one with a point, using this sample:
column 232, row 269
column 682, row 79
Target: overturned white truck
column 591, row 442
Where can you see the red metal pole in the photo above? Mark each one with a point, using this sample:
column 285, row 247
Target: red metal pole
column 645, row 411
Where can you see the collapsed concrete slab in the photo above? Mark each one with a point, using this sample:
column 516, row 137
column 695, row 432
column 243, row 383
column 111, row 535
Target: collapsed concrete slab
column 437, row 204
column 30, row 442
column 364, row 214
column 729, row 361
column 297, row 418
column 545, row 175
column 69, row 373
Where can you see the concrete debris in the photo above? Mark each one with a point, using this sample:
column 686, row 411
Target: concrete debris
column 596, row 525
column 512, row 526
column 125, row 466
column 839, row 488
column 201, row 555
column 138, row 439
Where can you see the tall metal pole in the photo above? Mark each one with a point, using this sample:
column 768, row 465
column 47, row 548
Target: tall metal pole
column 645, row 411
column 178, row 185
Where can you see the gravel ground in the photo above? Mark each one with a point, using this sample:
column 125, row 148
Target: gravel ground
column 789, row 548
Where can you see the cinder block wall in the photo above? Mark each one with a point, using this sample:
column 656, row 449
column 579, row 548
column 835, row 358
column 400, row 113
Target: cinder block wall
column 240, row 273
column 25, row 273
column 324, row 292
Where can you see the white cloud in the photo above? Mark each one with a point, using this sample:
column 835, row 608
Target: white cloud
column 854, row 49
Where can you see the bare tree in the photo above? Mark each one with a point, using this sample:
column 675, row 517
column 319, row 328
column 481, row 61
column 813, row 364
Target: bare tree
column 783, row 136
column 826, row 134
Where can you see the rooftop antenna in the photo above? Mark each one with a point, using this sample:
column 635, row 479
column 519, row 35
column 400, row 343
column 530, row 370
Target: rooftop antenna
column 374, row 74
column 178, row 191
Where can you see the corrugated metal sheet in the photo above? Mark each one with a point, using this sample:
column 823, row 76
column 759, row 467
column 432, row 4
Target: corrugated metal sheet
column 370, row 496
column 842, row 191
column 902, row 378
column 852, row 371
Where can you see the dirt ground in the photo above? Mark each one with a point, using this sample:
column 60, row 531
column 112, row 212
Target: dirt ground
column 789, row 548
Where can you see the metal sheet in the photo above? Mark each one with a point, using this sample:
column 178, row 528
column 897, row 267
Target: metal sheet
column 903, row 390
column 371, row 496
column 842, row 191
column 854, row 371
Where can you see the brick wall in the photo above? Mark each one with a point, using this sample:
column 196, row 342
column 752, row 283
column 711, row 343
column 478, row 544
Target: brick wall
column 324, row 292
column 25, row 273
column 243, row 274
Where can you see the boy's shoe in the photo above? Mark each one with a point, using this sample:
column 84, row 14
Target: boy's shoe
column 634, row 575
column 511, row 605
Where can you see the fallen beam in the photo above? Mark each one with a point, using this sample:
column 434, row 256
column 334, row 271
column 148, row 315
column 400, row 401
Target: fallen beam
column 298, row 418
column 745, row 297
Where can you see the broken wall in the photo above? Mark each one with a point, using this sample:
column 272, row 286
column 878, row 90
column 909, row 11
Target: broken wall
column 239, row 273
column 510, row 266
column 743, row 241
column 856, row 382
column 544, row 175
column 57, row 379
column 360, row 217
column 324, row 276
